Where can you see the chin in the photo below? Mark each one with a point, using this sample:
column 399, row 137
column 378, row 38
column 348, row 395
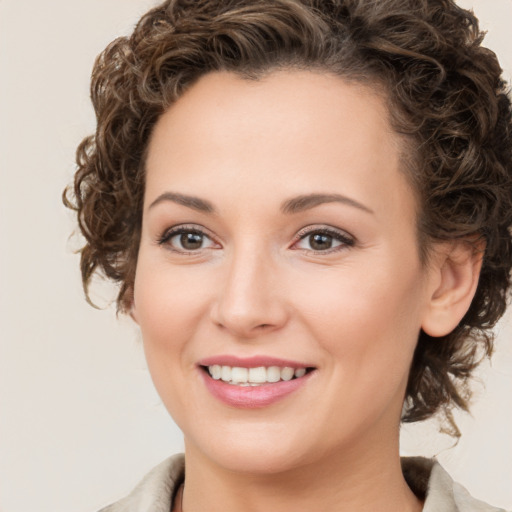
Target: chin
column 254, row 451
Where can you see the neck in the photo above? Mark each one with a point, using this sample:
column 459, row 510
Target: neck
column 359, row 479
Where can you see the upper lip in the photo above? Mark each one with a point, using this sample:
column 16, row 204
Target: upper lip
column 251, row 362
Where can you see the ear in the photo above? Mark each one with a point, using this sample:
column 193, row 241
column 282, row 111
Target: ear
column 453, row 279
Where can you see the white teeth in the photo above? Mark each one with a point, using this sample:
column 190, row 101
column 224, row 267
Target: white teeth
column 287, row 373
column 273, row 374
column 300, row 372
column 258, row 375
column 239, row 375
column 216, row 371
column 225, row 373
column 254, row 376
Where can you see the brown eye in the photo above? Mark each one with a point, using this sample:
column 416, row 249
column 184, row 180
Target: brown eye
column 323, row 240
column 320, row 241
column 186, row 240
column 191, row 241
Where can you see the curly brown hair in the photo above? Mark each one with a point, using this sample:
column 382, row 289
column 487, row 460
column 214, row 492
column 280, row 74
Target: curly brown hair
column 445, row 94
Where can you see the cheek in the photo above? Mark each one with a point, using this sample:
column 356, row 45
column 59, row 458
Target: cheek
column 367, row 318
column 169, row 306
column 168, row 302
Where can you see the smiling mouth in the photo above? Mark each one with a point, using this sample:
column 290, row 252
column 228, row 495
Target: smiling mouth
column 258, row 376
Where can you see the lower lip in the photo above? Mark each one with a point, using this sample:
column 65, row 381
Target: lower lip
column 252, row 397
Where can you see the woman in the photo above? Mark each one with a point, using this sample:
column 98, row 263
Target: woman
column 307, row 205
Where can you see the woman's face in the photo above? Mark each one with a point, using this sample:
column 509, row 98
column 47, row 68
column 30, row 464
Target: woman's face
column 279, row 231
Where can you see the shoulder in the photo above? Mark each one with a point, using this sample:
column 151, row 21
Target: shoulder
column 429, row 480
column 426, row 477
column 156, row 490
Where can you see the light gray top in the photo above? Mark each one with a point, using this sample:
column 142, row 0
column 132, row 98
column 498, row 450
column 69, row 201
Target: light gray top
column 426, row 477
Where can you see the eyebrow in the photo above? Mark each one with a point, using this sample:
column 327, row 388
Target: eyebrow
column 195, row 203
column 308, row 201
column 290, row 206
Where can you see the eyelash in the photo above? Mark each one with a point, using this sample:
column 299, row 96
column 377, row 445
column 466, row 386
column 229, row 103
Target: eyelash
column 345, row 239
column 165, row 238
column 339, row 236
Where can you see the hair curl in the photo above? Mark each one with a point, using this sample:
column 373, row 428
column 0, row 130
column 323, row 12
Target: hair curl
column 445, row 93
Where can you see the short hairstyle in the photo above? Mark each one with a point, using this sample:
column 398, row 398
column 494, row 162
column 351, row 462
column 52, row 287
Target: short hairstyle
column 445, row 95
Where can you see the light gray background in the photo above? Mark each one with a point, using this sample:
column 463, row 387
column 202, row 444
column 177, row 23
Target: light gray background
column 80, row 422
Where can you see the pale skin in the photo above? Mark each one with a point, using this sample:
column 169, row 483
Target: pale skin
column 226, row 163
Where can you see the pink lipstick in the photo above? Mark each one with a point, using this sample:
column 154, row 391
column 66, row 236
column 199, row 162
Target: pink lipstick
column 253, row 382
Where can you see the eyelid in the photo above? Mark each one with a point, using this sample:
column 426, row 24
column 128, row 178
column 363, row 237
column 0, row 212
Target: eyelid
column 185, row 228
column 342, row 236
column 346, row 239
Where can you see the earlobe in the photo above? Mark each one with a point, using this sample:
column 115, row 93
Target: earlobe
column 454, row 280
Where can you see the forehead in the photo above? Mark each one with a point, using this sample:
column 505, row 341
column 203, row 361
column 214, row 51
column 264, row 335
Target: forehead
column 291, row 131
column 291, row 103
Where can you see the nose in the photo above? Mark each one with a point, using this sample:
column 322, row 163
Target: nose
column 251, row 298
